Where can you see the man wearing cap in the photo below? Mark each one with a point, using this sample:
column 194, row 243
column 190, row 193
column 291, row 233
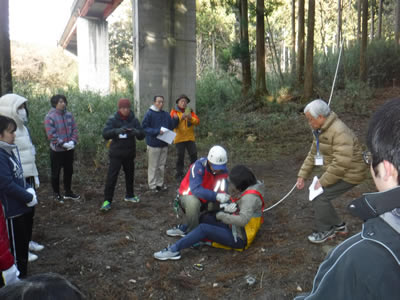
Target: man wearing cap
column 184, row 120
column 153, row 122
column 204, row 186
column 122, row 128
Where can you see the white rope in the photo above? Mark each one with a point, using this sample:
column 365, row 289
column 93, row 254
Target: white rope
column 337, row 68
column 287, row 195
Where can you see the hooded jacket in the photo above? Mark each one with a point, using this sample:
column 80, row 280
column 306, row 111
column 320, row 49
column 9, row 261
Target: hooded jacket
column 9, row 104
column 152, row 122
column 249, row 206
column 367, row 265
column 13, row 194
column 342, row 154
column 123, row 147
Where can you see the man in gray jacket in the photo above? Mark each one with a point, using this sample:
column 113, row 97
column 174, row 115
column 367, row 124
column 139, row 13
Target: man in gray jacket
column 367, row 265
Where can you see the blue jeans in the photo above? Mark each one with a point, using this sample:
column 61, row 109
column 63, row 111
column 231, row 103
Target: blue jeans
column 211, row 229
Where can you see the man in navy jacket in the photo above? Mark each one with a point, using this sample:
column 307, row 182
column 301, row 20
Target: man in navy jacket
column 157, row 150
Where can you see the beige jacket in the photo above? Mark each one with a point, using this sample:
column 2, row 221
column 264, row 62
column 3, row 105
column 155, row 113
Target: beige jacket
column 342, row 154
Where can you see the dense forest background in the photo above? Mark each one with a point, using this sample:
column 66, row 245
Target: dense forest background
column 258, row 62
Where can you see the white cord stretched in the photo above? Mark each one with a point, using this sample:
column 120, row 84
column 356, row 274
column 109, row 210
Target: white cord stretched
column 287, row 195
column 337, row 68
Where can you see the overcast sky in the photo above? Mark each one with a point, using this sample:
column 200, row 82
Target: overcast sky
column 38, row 21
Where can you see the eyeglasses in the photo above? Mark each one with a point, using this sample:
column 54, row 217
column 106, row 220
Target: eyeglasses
column 367, row 156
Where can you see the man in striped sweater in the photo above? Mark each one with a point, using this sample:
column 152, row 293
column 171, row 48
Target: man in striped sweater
column 62, row 133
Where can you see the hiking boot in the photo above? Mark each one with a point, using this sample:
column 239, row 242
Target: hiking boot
column 33, row 246
column 72, row 196
column 166, row 254
column 134, row 199
column 106, row 206
column 176, row 231
column 161, row 188
column 58, row 198
column 322, row 236
column 32, row 257
column 341, row 229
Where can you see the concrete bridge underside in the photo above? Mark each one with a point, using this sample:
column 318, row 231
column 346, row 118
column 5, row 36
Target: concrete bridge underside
column 164, row 44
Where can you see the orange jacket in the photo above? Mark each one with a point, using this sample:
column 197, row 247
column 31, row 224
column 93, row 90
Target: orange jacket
column 185, row 129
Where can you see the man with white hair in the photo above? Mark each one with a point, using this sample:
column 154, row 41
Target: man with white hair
column 337, row 150
column 367, row 265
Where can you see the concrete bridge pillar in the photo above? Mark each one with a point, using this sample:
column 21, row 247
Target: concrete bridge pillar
column 93, row 55
column 164, row 41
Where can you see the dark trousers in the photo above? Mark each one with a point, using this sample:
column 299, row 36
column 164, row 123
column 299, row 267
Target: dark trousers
column 31, row 182
column 180, row 152
column 210, row 229
column 325, row 215
column 20, row 231
column 59, row 160
column 128, row 165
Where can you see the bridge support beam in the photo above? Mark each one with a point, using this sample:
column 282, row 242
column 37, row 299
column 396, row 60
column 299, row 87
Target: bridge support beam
column 164, row 41
column 93, row 55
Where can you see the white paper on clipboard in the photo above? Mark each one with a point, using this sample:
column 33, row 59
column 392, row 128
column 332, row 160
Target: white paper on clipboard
column 168, row 136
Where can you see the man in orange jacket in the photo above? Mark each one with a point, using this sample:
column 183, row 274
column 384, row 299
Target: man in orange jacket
column 184, row 119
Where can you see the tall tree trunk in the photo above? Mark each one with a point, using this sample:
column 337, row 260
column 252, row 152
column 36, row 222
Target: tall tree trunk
column 274, row 53
column 5, row 52
column 397, row 24
column 293, row 52
column 364, row 42
column 261, row 87
column 339, row 24
column 213, row 52
column 359, row 2
column 380, row 19
column 244, row 46
column 308, row 76
column 373, row 5
column 300, row 44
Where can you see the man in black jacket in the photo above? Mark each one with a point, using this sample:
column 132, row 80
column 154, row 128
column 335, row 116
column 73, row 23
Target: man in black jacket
column 367, row 265
column 122, row 128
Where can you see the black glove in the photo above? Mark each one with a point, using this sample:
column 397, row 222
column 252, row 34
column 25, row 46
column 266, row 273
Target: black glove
column 119, row 131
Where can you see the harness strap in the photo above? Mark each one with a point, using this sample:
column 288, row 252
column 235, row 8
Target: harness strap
column 254, row 192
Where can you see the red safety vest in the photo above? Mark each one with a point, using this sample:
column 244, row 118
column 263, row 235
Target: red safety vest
column 251, row 227
column 217, row 183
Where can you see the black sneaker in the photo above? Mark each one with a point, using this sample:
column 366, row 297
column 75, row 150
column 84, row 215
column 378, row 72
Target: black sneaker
column 341, row 229
column 58, row 198
column 71, row 196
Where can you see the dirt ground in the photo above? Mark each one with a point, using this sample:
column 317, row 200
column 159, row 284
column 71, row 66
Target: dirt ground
column 110, row 255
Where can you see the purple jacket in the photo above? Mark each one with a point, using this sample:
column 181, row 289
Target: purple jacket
column 60, row 128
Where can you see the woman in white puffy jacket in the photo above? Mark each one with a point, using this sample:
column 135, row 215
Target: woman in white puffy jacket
column 14, row 106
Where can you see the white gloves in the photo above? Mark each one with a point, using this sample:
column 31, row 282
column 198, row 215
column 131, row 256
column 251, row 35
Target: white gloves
column 69, row 146
column 230, row 208
column 34, row 198
column 37, row 182
column 222, row 197
column 10, row 275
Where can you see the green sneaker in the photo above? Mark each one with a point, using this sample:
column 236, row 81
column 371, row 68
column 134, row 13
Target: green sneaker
column 106, row 206
column 134, row 199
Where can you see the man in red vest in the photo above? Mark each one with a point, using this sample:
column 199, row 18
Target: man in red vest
column 203, row 187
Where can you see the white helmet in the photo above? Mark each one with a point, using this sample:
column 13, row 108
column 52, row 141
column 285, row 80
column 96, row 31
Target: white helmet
column 217, row 157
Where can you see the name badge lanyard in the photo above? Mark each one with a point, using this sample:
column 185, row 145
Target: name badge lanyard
column 319, row 160
column 316, row 134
